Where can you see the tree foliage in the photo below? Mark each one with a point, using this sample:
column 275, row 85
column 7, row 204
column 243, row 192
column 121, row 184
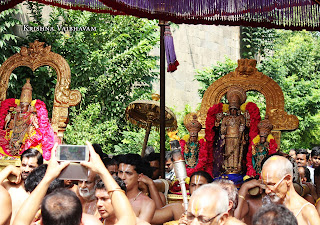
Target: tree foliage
column 256, row 42
column 110, row 66
column 8, row 40
column 295, row 66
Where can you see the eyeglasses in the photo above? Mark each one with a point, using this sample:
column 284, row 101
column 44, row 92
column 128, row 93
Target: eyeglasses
column 201, row 219
column 274, row 186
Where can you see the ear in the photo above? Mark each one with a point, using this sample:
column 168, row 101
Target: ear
column 288, row 179
column 223, row 218
column 230, row 205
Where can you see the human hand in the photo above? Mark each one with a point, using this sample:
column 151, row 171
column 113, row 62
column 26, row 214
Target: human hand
column 15, row 174
column 95, row 163
column 54, row 168
column 249, row 185
column 145, row 179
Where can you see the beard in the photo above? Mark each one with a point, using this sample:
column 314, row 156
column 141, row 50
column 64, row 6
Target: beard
column 271, row 198
column 86, row 193
column 24, row 175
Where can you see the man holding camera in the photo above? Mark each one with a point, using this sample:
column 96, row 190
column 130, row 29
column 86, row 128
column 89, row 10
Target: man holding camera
column 67, row 215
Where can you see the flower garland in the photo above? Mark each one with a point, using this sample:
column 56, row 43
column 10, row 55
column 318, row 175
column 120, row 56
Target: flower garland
column 250, row 107
column 42, row 139
column 202, row 159
column 271, row 150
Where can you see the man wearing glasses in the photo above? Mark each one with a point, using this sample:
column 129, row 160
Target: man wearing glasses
column 208, row 205
column 277, row 173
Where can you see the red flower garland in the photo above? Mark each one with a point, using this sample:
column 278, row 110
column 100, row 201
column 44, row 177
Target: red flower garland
column 255, row 118
column 202, row 164
column 44, row 134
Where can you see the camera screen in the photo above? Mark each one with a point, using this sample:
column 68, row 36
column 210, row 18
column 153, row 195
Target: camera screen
column 73, row 153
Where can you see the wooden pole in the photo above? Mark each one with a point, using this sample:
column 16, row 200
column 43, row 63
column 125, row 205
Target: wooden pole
column 162, row 100
column 146, row 137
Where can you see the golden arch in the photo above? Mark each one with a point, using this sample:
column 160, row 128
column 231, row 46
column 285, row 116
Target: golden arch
column 34, row 57
column 249, row 78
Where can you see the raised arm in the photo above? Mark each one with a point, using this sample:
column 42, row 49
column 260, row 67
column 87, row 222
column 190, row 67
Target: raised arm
column 119, row 200
column 243, row 207
column 153, row 191
column 10, row 170
column 5, row 206
column 33, row 202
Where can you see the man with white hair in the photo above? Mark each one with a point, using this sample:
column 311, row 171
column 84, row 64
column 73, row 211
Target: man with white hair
column 277, row 173
column 86, row 191
column 209, row 204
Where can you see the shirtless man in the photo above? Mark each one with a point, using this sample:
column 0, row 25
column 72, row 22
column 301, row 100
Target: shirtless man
column 131, row 168
column 248, row 204
column 5, row 206
column 277, row 173
column 30, row 159
column 174, row 211
column 208, row 205
column 85, row 193
column 67, row 214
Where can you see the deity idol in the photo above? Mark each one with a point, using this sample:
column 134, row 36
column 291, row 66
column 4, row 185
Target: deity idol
column 262, row 145
column 229, row 130
column 232, row 131
column 24, row 124
column 193, row 148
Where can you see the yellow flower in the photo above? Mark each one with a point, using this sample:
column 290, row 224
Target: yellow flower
column 243, row 107
column 17, row 101
column 33, row 103
column 225, row 108
column 256, row 140
column 269, row 138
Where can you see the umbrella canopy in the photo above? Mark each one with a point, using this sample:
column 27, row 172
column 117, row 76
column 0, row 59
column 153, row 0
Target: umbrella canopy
column 146, row 113
column 143, row 112
column 287, row 14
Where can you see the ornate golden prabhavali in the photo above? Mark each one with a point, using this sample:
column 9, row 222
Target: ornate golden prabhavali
column 249, row 78
column 34, row 57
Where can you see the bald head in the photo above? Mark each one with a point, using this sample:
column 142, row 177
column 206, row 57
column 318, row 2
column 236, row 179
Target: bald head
column 280, row 164
column 209, row 198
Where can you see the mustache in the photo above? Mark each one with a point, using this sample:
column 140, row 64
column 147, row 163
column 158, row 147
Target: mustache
column 84, row 189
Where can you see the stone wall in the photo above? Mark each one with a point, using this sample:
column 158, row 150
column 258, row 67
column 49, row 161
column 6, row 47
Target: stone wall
column 197, row 47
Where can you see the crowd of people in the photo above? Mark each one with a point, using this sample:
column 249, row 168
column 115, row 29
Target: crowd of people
column 126, row 189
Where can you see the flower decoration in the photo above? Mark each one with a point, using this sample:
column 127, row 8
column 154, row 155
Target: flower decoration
column 42, row 138
column 202, row 164
column 271, row 150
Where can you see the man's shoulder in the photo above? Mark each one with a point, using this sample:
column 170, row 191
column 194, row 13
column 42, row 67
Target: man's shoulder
column 9, row 185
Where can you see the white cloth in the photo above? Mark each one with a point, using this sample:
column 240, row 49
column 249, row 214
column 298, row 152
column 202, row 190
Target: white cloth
column 171, row 175
column 311, row 173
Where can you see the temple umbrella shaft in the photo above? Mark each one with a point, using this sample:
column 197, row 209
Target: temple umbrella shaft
column 162, row 99
column 146, row 137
